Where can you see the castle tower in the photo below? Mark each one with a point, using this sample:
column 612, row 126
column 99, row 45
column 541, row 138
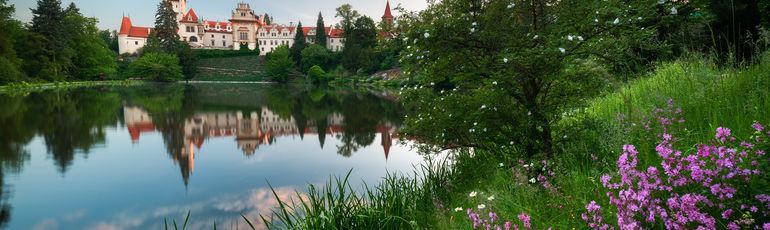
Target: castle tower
column 245, row 26
column 180, row 7
column 387, row 18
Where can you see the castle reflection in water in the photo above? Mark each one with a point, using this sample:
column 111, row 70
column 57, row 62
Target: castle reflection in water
column 250, row 131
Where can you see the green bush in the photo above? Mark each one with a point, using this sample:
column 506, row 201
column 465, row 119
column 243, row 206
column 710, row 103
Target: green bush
column 205, row 54
column 156, row 67
column 315, row 55
column 317, row 74
column 278, row 64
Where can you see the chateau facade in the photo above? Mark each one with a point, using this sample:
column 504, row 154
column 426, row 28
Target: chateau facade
column 243, row 29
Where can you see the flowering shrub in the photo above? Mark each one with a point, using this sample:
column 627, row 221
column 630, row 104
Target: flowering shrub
column 720, row 184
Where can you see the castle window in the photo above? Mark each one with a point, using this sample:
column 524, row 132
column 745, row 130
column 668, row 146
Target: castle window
column 212, row 42
column 136, row 43
column 193, row 39
column 223, row 36
column 224, row 43
column 190, row 29
column 243, row 14
column 244, row 36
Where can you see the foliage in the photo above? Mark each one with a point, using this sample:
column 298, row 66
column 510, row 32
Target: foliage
column 166, row 27
column 315, row 55
column 156, row 67
column 278, row 64
column 299, row 44
column 320, row 31
column 521, row 63
column 358, row 54
column 92, row 59
column 187, row 59
column 348, row 16
column 9, row 63
column 317, row 74
column 205, row 54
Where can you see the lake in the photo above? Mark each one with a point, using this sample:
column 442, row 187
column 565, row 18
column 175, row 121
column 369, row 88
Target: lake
column 127, row 157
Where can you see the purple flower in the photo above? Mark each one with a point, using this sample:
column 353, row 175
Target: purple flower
column 726, row 214
column 766, row 226
column 526, row 220
column 723, row 133
column 758, row 127
column 733, row 226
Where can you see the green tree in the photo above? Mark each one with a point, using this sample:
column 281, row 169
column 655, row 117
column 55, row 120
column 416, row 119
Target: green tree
column 156, row 67
column 348, row 15
column 358, row 54
column 278, row 64
column 299, row 44
column 316, row 74
column 320, row 31
column 187, row 59
column 111, row 39
column 47, row 21
column 315, row 55
column 517, row 66
column 92, row 59
column 9, row 62
column 166, row 27
column 268, row 20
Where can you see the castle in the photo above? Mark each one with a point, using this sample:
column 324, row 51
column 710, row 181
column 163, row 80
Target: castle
column 244, row 28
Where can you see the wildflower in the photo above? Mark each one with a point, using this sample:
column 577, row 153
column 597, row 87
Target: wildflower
column 562, row 50
column 501, row 165
column 674, row 11
column 726, row 214
column 533, row 180
column 473, row 194
column 510, row 6
column 722, row 133
column 758, row 127
column 494, row 82
column 617, row 20
column 426, row 35
column 505, row 60
column 508, row 225
column 458, row 209
column 580, row 38
column 570, row 37
column 473, row 30
column 526, row 220
column 481, row 206
column 491, row 198
column 483, row 106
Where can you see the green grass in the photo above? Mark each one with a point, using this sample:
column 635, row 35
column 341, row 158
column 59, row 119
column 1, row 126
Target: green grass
column 242, row 68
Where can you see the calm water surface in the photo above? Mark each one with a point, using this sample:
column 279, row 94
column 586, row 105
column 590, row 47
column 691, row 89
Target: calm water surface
column 128, row 157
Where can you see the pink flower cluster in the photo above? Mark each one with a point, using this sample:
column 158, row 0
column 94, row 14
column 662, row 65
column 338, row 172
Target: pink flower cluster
column 494, row 223
column 698, row 190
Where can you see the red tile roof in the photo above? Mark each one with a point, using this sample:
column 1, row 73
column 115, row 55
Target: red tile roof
column 212, row 26
column 133, row 31
column 190, row 16
column 335, row 33
column 140, row 32
column 125, row 26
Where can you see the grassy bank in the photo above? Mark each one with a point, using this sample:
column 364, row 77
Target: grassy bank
column 28, row 87
column 237, row 68
column 552, row 192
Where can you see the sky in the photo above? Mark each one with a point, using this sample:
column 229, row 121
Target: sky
column 142, row 12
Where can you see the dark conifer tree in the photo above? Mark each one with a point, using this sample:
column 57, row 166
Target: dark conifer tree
column 320, row 33
column 166, row 27
column 299, row 44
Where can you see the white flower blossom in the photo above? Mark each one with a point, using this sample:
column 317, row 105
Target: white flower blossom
column 532, row 180
column 473, row 30
column 617, row 20
column 483, row 106
column 501, row 165
column 596, row 20
column 674, row 11
column 473, row 194
column 481, row 206
column 491, row 198
column 562, row 50
column 570, row 37
column 427, row 35
column 510, row 6
column 580, row 38
column 458, row 209
column 505, row 60
column 494, row 82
